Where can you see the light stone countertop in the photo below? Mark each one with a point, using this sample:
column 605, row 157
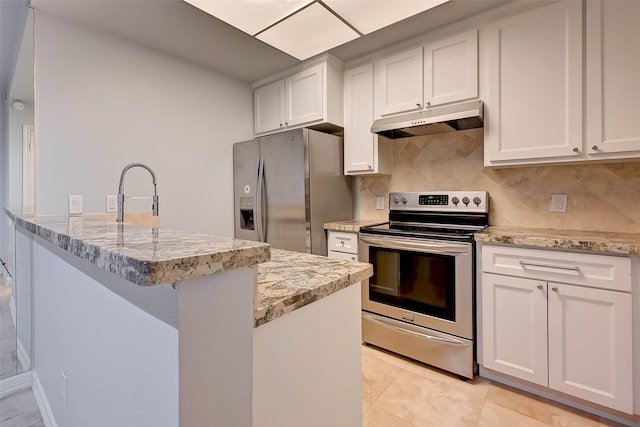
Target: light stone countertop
column 594, row 241
column 352, row 226
column 142, row 255
column 292, row 280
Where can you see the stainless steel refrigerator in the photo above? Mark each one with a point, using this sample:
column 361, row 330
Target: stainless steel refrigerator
column 286, row 186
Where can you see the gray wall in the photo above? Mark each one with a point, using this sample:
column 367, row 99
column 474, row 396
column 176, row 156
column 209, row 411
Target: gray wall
column 103, row 102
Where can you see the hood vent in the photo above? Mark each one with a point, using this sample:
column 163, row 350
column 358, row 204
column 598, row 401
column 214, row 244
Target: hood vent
column 448, row 118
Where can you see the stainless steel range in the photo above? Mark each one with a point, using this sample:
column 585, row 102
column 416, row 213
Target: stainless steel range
column 420, row 300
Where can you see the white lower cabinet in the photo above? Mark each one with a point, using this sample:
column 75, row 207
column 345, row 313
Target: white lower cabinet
column 342, row 245
column 515, row 327
column 571, row 338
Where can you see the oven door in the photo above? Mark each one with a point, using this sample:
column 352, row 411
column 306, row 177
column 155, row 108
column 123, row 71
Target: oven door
column 420, row 281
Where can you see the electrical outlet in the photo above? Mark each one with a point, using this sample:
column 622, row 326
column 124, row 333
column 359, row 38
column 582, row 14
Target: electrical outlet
column 558, row 203
column 380, row 202
column 110, row 204
column 75, row 205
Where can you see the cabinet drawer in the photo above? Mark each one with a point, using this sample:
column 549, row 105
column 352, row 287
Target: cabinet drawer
column 343, row 242
column 342, row 255
column 598, row 271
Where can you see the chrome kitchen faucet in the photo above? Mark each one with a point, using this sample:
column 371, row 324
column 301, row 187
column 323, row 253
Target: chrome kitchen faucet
column 154, row 205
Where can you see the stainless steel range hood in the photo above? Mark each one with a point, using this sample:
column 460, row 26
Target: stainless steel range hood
column 448, row 118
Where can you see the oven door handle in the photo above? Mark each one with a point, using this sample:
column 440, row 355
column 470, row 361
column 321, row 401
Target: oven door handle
column 421, row 335
column 418, row 245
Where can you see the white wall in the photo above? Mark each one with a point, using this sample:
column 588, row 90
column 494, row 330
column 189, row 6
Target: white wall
column 120, row 359
column 103, row 102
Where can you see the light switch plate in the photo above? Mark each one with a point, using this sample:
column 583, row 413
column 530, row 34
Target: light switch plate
column 75, row 205
column 379, row 202
column 558, row 203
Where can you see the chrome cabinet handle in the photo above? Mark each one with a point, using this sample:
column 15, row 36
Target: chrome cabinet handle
column 576, row 150
column 280, row 124
column 418, row 104
column 539, row 286
column 554, row 289
column 558, row 267
column 286, row 123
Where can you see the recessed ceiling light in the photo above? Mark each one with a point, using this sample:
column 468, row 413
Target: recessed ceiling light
column 368, row 16
column 250, row 16
column 309, row 32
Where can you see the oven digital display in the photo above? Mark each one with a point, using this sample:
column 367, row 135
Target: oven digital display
column 434, row 199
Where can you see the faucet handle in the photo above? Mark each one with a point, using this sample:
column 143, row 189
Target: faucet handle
column 155, row 208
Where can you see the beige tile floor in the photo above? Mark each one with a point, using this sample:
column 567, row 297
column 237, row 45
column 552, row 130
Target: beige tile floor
column 398, row 392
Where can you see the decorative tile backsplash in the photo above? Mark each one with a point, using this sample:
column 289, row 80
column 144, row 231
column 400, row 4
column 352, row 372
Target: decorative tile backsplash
column 601, row 197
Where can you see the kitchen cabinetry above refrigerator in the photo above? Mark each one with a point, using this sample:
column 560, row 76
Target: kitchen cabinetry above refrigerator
column 535, row 104
column 309, row 95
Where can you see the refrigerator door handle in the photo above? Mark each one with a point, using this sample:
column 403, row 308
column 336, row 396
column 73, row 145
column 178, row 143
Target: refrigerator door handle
column 260, row 225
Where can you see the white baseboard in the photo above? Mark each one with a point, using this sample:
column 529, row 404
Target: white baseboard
column 43, row 403
column 486, row 373
column 23, row 356
column 15, row 383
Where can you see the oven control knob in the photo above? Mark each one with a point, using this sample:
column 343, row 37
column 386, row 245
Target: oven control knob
column 396, row 200
column 465, row 200
column 403, row 200
column 477, row 200
column 455, row 201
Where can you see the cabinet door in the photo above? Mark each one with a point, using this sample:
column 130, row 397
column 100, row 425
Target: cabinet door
column 514, row 327
column 268, row 107
column 399, row 83
column 451, row 69
column 590, row 345
column 304, row 96
column 358, row 116
column 613, row 87
column 534, row 109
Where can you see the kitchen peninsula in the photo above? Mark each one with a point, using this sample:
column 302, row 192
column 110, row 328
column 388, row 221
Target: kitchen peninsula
column 181, row 328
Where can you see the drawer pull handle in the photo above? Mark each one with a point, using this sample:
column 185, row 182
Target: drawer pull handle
column 539, row 286
column 557, row 267
column 554, row 289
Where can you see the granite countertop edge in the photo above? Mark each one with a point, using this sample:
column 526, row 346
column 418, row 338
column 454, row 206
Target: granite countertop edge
column 618, row 243
column 352, row 225
column 292, row 280
column 142, row 255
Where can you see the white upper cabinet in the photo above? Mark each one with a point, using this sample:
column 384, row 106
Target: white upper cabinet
column 309, row 95
column 304, row 96
column 268, row 107
column 451, row 69
column 364, row 152
column 440, row 72
column 534, row 109
column 613, row 83
column 398, row 83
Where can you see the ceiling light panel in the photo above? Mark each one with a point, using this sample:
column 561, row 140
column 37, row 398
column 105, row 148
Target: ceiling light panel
column 250, row 16
column 368, row 16
column 309, row 32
